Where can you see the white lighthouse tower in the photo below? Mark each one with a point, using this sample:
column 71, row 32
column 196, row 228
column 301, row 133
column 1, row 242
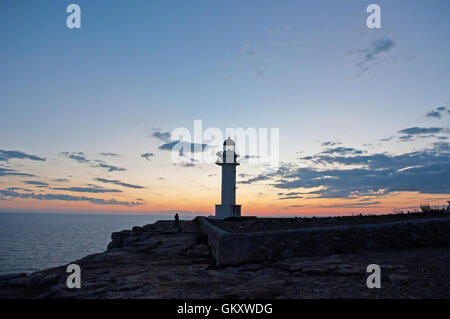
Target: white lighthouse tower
column 227, row 159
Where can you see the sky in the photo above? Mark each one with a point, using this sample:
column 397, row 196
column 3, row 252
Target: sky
column 86, row 115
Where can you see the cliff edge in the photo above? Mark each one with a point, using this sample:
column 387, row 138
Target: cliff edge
column 162, row 260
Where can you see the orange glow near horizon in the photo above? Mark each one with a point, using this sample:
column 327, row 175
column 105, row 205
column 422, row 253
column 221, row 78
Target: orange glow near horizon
column 262, row 205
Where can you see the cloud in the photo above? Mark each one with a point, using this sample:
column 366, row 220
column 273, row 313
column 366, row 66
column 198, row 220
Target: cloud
column 19, row 189
column 76, row 156
column 5, row 156
column 69, row 198
column 245, row 157
column 293, row 193
column 147, row 156
column 37, row 183
column 425, row 171
column 176, row 145
column 162, row 136
column 406, row 138
column 442, row 146
column 434, row 114
column 342, row 150
column 352, row 205
column 378, row 46
column 291, row 197
column 438, row 113
column 183, row 147
column 81, row 158
column 185, row 164
column 110, row 154
column 188, row 165
column 258, row 178
column 371, row 53
column 330, row 143
column 421, row 130
column 61, row 180
column 88, row 189
column 13, row 172
column 412, row 133
column 109, row 168
column 119, row 183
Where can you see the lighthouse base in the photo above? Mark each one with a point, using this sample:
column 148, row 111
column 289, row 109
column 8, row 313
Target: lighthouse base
column 224, row 211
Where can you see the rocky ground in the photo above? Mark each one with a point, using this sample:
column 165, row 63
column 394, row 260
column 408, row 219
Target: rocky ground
column 161, row 261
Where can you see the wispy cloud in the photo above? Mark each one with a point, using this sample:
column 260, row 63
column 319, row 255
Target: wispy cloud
column 5, row 156
column 352, row 205
column 421, row 130
column 342, row 151
column 13, row 172
column 183, row 147
column 117, row 182
column 187, row 164
column 330, row 143
column 80, row 157
column 291, row 197
column 438, row 113
column 258, row 178
column 162, row 136
column 110, row 154
column 434, row 114
column 88, row 189
column 76, row 156
column 69, row 198
column 372, row 52
column 412, row 133
column 108, row 167
column 19, row 189
column 61, row 180
column 147, row 156
column 37, row 183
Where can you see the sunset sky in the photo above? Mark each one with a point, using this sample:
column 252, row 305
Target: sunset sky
column 86, row 114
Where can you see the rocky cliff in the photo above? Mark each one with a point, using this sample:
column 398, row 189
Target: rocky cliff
column 165, row 261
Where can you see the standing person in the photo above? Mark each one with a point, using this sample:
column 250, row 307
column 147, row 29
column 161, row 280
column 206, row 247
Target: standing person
column 177, row 221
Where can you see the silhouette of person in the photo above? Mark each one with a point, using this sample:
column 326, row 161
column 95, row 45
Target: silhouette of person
column 177, row 221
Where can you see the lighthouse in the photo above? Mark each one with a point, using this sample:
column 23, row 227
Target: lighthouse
column 227, row 159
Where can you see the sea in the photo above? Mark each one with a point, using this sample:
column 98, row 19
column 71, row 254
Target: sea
column 34, row 241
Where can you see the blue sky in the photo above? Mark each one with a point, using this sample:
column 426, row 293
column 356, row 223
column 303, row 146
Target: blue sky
column 137, row 65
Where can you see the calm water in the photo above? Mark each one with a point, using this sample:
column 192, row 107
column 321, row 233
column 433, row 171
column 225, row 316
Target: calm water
column 34, row 241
